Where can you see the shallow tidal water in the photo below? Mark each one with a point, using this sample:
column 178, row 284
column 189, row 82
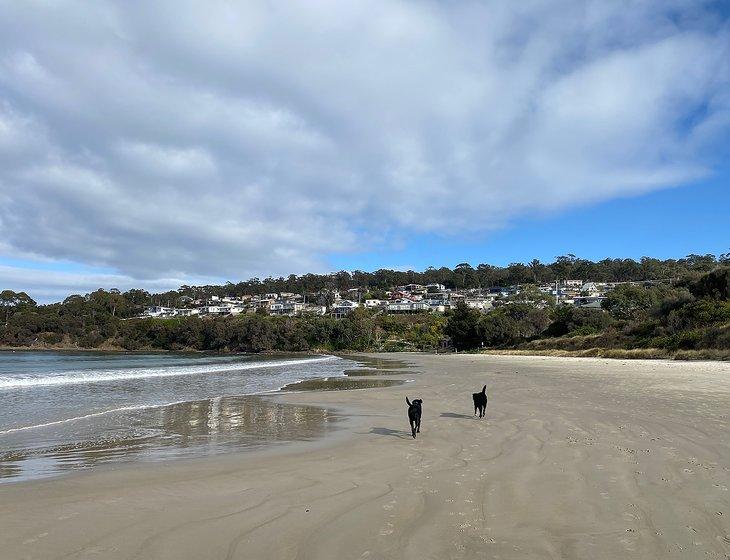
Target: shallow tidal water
column 61, row 411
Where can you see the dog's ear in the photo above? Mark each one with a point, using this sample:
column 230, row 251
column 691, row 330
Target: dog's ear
column 408, row 402
column 484, row 389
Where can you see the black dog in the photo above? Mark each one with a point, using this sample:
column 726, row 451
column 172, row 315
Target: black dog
column 414, row 416
column 480, row 402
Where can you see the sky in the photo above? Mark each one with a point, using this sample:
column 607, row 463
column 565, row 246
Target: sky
column 158, row 144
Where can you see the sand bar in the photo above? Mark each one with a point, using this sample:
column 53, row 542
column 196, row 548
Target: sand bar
column 577, row 458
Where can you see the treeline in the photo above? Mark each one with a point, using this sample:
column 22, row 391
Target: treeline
column 464, row 276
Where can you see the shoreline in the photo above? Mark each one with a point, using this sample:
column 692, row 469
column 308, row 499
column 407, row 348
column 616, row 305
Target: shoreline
column 710, row 355
column 576, row 458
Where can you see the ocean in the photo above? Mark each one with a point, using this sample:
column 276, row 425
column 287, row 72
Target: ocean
column 62, row 411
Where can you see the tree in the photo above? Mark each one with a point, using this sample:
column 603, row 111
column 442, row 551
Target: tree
column 715, row 285
column 497, row 329
column 630, row 302
column 536, row 268
column 14, row 301
column 462, row 326
column 465, row 271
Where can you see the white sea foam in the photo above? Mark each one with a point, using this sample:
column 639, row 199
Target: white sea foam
column 101, row 376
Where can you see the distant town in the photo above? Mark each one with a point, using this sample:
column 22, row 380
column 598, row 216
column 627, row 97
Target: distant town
column 407, row 299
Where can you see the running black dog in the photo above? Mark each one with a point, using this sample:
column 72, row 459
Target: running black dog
column 414, row 416
column 480, row 402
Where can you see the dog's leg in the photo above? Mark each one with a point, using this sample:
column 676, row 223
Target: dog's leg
column 418, row 425
column 413, row 428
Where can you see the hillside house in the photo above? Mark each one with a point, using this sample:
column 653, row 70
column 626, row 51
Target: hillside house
column 343, row 307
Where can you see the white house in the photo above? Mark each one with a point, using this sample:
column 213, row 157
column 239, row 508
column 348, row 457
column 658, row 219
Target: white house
column 590, row 288
column 313, row 309
column 212, row 310
column 283, row 307
column 186, row 312
column 479, row 303
column 407, row 306
column 343, row 307
column 159, row 311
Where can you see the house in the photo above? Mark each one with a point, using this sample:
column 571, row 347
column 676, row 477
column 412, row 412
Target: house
column 371, row 303
column 431, row 288
column 214, row 310
column 588, row 302
column 591, row 289
column 343, row 307
column 311, row 309
column 186, row 312
column 285, row 307
column 259, row 302
column 221, row 310
column 158, row 311
column 407, row 306
column 480, row 304
column 413, row 289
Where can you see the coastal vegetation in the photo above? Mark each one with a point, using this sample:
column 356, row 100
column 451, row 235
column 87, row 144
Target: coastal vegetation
column 687, row 316
column 685, row 320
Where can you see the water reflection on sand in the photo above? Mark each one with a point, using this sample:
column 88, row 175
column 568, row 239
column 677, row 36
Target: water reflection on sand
column 187, row 429
column 340, row 384
column 384, row 365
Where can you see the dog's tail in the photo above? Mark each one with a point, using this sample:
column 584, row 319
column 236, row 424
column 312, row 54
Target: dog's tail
column 484, row 390
column 408, row 402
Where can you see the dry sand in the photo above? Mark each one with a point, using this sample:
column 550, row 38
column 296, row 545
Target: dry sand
column 577, row 458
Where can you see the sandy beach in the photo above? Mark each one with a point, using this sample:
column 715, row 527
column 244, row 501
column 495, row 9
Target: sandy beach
column 576, row 458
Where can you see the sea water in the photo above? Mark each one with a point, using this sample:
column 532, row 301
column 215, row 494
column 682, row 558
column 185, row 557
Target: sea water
column 64, row 410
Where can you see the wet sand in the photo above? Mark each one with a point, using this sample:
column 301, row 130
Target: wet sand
column 340, row 384
column 368, row 372
column 577, row 458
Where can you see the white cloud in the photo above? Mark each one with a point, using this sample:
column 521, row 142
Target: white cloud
column 193, row 139
column 47, row 286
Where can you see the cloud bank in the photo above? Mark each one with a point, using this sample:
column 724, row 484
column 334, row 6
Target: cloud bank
column 188, row 139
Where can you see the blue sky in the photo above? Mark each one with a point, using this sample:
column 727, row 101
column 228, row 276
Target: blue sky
column 667, row 224
column 184, row 142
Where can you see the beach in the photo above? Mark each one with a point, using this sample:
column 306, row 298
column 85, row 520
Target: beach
column 576, row 458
